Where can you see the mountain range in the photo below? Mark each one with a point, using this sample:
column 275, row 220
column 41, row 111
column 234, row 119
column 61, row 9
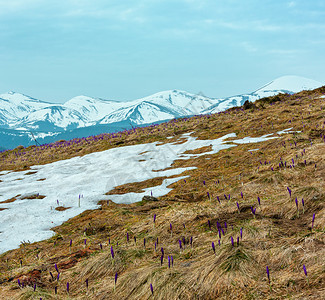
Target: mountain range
column 23, row 118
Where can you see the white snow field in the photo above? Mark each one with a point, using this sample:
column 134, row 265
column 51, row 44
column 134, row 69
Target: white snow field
column 91, row 176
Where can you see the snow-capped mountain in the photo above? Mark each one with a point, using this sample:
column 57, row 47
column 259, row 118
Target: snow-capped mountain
column 284, row 84
column 22, row 113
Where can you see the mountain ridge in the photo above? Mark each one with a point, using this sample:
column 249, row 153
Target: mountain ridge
column 22, row 112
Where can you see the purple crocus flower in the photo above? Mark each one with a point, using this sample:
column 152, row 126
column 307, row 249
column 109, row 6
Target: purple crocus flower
column 208, row 195
column 154, row 218
column 232, row 240
column 259, row 201
column 238, row 241
column 253, row 210
column 289, row 191
column 312, row 222
column 172, row 260
column 305, row 270
column 19, row 282
column 241, row 233
column 162, row 251
column 51, row 275
column 115, row 279
column 168, row 261
column 58, row 277
column 135, row 239
column 218, row 199
column 68, row 287
column 161, row 260
column 55, row 290
column 238, row 207
column 34, row 287
column 170, row 226
column 213, row 248
column 127, row 237
column 180, row 244
column 241, row 194
column 86, row 281
column 203, row 182
column 268, row 273
column 296, row 200
column 219, row 242
column 70, row 243
column 151, row 288
column 225, row 197
column 303, row 202
column 112, row 252
column 144, row 242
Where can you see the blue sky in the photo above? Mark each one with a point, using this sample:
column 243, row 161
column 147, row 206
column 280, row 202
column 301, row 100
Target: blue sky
column 54, row 50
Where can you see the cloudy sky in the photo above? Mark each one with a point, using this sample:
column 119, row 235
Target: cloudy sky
column 57, row 49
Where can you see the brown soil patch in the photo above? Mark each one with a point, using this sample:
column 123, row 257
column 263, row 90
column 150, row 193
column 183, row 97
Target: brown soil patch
column 61, row 208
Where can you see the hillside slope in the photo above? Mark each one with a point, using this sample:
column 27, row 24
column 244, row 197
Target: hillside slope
column 262, row 200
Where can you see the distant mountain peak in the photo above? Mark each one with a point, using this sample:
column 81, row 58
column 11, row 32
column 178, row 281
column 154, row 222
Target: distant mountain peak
column 290, row 83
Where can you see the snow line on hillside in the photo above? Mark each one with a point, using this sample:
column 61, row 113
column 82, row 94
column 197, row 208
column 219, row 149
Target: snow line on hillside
column 91, row 176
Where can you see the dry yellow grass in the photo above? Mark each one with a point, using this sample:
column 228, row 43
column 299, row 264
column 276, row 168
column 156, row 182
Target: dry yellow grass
column 278, row 236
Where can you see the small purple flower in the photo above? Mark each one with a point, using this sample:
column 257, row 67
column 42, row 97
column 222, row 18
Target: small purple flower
column 259, row 201
column 172, row 260
column 58, row 277
column 303, row 202
column 180, row 244
column 162, row 251
column 144, row 242
column 312, row 222
column 70, row 243
column 219, row 242
column 203, row 182
column 208, row 195
column 19, row 282
column 241, row 194
column 151, row 288
column 154, row 218
column 55, row 290
column 168, row 261
column 218, row 199
column 238, row 207
column 238, row 241
column 161, row 260
column 115, row 279
column 170, row 226
column 305, row 270
column 296, row 200
column 68, row 287
column 268, row 273
column 56, row 268
column 112, row 252
column 86, row 281
column 241, row 233
column 289, row 191
column 127, row 237
column 232, row 240
column 34, row 287
column 213, row 248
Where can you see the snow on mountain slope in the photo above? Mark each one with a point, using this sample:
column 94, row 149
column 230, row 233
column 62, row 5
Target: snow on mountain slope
column 52, row 117
column 292, row 84
column 15, row 105
column 92, row 109
column 92, row 175
column 160, row 106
